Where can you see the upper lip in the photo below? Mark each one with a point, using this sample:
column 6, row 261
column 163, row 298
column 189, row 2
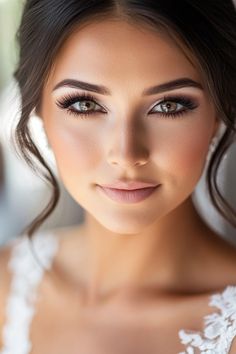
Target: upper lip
column 129, row 185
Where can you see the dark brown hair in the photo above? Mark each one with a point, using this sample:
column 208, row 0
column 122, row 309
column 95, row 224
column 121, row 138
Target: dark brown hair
column 205, row 29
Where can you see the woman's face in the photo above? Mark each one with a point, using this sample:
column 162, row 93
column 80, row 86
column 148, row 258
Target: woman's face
column 160, row 136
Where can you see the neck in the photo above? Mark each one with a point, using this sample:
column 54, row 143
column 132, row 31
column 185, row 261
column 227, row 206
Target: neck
column 154, row 257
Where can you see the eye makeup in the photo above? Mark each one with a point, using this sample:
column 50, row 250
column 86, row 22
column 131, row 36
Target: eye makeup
column 68, row 102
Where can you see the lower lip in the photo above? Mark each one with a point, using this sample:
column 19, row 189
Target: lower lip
column 128, row 196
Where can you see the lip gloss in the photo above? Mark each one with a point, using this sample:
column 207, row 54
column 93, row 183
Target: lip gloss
column 127, row 196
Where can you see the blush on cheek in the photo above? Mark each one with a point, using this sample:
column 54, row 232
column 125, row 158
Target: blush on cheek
column 193, row 161
column 74, row 151
column 183, row 155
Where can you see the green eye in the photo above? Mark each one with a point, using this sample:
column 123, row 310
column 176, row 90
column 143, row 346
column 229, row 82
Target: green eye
column 169, row 107
column 174, row 106
column 84, row 106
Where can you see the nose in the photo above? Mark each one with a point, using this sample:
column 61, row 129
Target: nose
column 128, row 145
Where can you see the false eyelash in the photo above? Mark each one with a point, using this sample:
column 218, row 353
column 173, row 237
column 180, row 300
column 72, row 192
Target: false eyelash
column 70, row 99
column 185, row 101
column 188, row 103
column 67, row 101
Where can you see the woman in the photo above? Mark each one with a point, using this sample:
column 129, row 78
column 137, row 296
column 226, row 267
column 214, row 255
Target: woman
column 132, row 96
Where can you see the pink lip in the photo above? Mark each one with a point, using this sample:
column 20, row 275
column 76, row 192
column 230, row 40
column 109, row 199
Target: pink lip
column 127, row 196
column 130, row 185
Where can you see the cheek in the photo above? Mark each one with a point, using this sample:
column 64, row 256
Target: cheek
column 180, row 149
column 188, row 151
column 76, row 150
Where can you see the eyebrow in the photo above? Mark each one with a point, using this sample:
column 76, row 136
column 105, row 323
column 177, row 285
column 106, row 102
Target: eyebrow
column 167, row 86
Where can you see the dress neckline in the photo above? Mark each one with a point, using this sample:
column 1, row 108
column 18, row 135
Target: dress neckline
column 219, row 327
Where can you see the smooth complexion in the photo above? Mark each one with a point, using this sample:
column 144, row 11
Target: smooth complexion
column 160, row 241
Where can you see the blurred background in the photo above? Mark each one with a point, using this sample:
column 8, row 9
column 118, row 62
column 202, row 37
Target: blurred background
column 23, row 194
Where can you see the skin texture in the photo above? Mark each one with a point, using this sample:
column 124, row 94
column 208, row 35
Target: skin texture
column 132, row 275
column 129, row 246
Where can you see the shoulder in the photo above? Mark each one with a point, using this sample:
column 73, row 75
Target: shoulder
column 224, row 322
column 5, row 273
column 217, row 266
column 233, row 346
column 219, row 326
column 17, row 259
column 5, row 276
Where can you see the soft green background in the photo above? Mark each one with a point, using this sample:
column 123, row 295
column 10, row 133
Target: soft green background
column 10, row 13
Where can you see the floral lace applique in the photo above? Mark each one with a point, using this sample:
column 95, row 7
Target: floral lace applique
column 219, row 328
column 217, row 337
column 26, row 275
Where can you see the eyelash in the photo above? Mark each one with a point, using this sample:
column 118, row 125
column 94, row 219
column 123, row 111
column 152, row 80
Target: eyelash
column 66, row 102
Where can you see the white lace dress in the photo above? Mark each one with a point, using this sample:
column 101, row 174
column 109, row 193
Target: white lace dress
column 26, row 275
column 217, row 337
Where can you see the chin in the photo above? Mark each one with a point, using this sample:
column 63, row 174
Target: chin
column 125, row 224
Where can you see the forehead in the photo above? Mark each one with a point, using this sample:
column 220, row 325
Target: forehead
column 121, row 52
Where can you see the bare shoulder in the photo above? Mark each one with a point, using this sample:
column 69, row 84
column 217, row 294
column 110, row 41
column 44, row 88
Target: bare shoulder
column 5, row 276
column 233, row 346
column 222, row 261
column 5, row 253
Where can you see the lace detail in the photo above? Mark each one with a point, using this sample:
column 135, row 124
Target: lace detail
column 26, row 275
column 219, row 328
